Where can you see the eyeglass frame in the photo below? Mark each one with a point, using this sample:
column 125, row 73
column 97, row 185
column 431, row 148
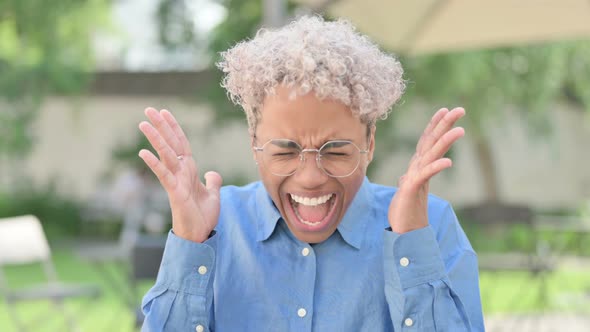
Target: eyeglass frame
column 318, row 156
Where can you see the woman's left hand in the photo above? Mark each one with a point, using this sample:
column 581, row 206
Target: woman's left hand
column 408, row 209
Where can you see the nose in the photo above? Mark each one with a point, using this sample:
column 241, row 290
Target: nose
column 309, row 174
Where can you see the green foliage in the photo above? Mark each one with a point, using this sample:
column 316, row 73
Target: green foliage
column 243, row 19
column 175, row 26
column 519, row 238
column 486, row 81
column 59, row 214
column 44, row 48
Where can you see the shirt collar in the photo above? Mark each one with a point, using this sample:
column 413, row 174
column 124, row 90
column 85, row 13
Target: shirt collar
column 268, row 214
column 354, row 223
column 351, row 228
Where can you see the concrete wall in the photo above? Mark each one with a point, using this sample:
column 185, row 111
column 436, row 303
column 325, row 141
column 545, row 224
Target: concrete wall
column 76, row 139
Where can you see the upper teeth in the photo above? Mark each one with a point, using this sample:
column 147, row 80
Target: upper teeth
column 311, row 201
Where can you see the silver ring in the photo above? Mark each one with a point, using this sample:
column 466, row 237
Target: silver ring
column 179, row 157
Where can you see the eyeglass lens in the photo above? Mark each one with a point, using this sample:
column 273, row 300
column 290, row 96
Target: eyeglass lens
column 283, row 157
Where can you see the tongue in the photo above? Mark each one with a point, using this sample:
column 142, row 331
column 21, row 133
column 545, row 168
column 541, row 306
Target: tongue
column 313, row 213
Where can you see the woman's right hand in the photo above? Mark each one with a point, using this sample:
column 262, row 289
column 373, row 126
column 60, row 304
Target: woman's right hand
column 194, row 205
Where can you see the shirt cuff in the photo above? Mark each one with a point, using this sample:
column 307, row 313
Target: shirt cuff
column 416, row 255
column 188, row 266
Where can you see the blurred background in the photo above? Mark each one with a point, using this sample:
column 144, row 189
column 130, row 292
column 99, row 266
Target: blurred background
column 75, row 77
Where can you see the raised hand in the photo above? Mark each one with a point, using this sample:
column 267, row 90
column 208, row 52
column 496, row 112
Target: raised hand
column 408, row 207
column 194, row 205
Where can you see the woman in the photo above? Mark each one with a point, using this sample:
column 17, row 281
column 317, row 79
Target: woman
column 313, row 245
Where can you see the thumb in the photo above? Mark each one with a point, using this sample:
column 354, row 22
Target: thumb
column 213, row 181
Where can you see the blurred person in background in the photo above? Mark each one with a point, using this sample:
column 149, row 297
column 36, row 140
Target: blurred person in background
column 314, row 245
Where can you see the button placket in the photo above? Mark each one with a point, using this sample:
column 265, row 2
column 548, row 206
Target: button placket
column 306, row 257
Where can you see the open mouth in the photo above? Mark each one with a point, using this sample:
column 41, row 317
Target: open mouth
column 313, row 213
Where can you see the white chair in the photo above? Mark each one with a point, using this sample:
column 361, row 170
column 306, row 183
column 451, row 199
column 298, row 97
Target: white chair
column 23, row 241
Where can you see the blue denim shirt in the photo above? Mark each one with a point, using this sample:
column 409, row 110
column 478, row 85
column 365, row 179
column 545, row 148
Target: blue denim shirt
column 254, row 275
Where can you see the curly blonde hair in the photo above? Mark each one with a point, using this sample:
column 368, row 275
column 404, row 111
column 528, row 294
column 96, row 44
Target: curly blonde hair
column 310, row 54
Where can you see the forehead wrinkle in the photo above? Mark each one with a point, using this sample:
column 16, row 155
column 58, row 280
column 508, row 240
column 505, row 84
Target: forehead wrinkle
column 317, row 137
column 307, row 138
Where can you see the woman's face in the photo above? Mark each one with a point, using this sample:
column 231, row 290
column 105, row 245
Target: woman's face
column 311, row 202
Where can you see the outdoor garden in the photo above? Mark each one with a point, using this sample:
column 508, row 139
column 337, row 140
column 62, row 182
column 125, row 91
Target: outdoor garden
column 535, row 259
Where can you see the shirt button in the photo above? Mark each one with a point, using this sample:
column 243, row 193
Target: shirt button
column 408, row 322
column 202, row 270
column 301, row 312
column 199, row 328
column 305, row 251
column 404, row 261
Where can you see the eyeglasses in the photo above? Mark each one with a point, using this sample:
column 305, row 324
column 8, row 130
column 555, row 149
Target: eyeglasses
column 282, row 157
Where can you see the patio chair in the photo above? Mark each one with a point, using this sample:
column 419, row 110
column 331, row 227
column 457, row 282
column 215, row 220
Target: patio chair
column 23, row 242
